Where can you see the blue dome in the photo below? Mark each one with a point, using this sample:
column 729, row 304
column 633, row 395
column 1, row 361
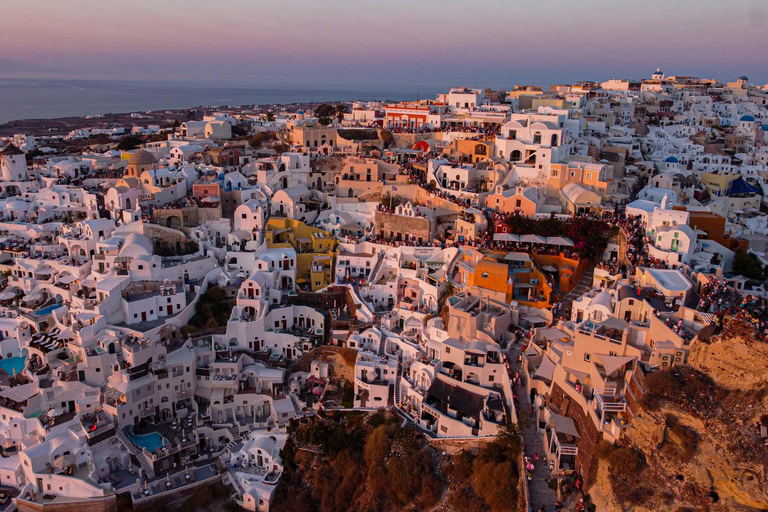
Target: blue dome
column 747, row 118
column 764, row 127
column 221, row 176
column 672, row 160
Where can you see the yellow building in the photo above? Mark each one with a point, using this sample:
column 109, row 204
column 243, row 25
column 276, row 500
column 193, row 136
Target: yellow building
column 718, row 184
column 315, row 250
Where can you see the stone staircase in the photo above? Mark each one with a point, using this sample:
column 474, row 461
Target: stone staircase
column 382, row 345
column 146, row 467
column 190, row 296
column 120, row 358
column 376, row 268
column 584, row 284
column 397, row 384
column 296, row 406
column 235, row 483
column 235, row 431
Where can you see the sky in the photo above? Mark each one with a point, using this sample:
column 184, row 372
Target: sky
column 333, row 43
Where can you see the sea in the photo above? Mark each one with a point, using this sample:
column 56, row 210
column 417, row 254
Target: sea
column 47, row 99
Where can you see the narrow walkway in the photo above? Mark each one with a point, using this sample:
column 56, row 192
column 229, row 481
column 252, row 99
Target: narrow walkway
column 538, row 490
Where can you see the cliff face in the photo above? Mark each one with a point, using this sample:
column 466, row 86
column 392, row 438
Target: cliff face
column 698, row 432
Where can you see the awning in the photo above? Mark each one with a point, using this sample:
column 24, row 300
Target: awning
column 549, row 268
column 67, row 279
column 559, row 240
column 564, row 425
column 304, row 240
column 517, row 256
column 546, row 369
column 613, row 363
column 506, row 237
column 533, row 239
column 7, row 295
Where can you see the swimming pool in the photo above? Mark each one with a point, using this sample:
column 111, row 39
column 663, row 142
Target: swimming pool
column 13, row 365
column 47, row 310
column 151, row 441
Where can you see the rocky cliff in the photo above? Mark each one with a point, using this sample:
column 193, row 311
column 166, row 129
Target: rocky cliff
column 697, row 437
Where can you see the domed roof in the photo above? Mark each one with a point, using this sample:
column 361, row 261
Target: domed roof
column 742, row 77
column 142, row 157
column 136, row 244
column 672, row 160
column 747, row 118
column 764, row 127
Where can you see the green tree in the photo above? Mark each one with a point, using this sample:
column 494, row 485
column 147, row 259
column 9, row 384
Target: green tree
column 270, row 116
column 325, row 120
column 128, row 143
column 324, row 110
column 747, row 265
column 340, row 111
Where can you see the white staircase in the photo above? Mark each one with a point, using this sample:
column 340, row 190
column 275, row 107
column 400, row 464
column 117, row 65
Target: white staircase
column 149, row 472
column 397, row 384
column 234, row 481
column 376, row 268
column 382, row 345
column 235, row 431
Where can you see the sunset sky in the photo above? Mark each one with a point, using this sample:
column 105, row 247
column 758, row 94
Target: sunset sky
column 375, row 42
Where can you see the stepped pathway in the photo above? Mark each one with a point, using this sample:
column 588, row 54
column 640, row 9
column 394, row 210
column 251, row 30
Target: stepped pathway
column 538, row 490
column 133, row 449
column 584, row 284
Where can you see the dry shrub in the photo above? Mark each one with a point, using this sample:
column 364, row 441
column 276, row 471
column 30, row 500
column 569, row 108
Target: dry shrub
column 626, row 466
column 349, row 356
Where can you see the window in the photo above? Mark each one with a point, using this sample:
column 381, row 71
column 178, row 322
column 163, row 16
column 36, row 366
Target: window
column 587, row 357
column 485, row 275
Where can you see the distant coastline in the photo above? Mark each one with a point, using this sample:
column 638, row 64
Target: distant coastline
column 26, row 99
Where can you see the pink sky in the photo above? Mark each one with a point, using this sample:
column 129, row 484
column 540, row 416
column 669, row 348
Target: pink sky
column 370, row 41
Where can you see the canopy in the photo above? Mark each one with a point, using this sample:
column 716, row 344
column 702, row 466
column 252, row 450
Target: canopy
column 67, row 279
column 564, row 425
column 549, row 268
column 613, row 363
column 7, row 295
column 506, row 237
column 533, row 239
column 559, row 240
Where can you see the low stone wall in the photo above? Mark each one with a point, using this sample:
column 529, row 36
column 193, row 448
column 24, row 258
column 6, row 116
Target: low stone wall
column 105, row 504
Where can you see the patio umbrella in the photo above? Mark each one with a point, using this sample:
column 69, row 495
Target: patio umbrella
column 7, row 295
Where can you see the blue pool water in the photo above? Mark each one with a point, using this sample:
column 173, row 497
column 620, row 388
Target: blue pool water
column 151, row 441
column 48, row 309
column 10, row 364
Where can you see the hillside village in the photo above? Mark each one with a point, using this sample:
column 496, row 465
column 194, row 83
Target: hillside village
column 191, row 303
